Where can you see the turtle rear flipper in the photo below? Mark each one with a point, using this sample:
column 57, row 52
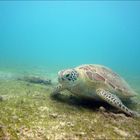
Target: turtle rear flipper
column 115, row 101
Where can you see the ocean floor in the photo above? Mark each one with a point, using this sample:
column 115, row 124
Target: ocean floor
column 28, row 111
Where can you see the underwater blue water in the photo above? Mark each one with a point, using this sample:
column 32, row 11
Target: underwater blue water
column 61, row 34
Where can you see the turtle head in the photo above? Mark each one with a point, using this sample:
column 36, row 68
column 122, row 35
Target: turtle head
column 68, row 77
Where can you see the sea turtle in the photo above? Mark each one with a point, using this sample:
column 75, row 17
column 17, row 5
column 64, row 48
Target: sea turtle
column 97, row 82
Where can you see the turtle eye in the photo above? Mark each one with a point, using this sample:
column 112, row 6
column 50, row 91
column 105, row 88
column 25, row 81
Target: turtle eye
column 67, row 75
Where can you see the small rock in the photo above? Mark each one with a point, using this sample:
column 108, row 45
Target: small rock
column 5, row 97
column 102, row 109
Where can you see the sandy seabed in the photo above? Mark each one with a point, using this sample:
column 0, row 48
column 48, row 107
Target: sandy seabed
column 29, row 112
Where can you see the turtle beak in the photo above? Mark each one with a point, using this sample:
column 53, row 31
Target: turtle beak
column 60, row 75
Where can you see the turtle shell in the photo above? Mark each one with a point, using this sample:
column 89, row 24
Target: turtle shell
column 102, row 74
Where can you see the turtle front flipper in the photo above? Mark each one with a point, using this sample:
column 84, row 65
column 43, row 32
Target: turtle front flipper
column 57, row 89
column 115, row 101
